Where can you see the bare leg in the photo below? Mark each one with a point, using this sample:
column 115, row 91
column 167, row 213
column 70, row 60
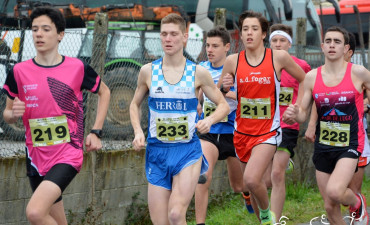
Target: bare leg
column 356, row 182
column 333, row 189
column 39, row 208
column 210, row 151
column 57, row 212
column 255, row 169
column 183, row 188
column 235, row 174
column 158, row 196
column 278, row 191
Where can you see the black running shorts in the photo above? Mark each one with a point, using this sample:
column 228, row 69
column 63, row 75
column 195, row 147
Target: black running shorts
column 60, row 174
column 289, row 140
column 326, row 161
column 223, row 142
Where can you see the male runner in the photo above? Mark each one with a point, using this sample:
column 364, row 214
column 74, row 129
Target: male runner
column 356, row 182
column 281, row 39
column 217, row 144
column 337, row 89
column 50, row 104
column 256, row 72
column 173, row 154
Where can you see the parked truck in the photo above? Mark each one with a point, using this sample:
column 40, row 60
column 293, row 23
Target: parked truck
column 133, row 37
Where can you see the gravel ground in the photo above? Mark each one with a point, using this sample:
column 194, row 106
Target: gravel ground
column 12, row 148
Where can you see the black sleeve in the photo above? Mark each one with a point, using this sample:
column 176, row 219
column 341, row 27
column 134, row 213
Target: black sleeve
column 10, row 86
column 91, row 79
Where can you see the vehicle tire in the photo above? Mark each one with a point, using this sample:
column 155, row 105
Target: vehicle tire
column 13, row 132
column 122, row 82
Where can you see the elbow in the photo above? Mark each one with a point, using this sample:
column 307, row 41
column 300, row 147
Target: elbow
column 7, row 118
column 108, row 94
column 226, row 107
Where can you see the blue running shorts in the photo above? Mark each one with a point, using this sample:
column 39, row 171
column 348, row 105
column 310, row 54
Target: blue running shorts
column 164, row 161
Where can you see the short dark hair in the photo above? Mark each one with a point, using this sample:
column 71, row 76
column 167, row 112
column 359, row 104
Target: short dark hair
column 252, row 14
column 279, row 26
column 54, row 14
column 340, row 30
column 220, row 31
column 352, row 42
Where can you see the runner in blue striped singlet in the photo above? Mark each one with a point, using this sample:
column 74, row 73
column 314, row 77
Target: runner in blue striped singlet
column 174, row 158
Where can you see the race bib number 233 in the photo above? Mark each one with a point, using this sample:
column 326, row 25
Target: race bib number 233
column 172, row 129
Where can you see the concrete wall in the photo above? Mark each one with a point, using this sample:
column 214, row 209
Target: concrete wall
column 104, row 195
column 117, row 178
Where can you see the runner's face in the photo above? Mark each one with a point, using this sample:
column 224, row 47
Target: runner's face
column 333, row 46
column 216, row 50
column 172, row 38
column 251, row 33
column 44, row 33
column 279, row 42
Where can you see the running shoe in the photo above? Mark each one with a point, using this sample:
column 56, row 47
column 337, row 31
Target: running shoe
column 248, row 204
column 360, row 214
column 290, row 166
column 272, row 221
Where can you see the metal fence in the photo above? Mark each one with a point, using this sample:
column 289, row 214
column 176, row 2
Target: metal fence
column 126, row 52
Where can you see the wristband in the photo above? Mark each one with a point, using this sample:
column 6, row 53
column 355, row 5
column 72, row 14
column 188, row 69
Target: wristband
column 97, row 132
column 222, row 89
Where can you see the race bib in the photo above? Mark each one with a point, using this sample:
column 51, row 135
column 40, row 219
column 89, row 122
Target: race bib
column 256, row 108
column 49, row 131
column 209, row 107
column 334, row 134
column 172, row 129
column 286, row 95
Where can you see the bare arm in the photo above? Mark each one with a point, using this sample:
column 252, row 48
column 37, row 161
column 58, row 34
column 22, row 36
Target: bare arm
column 13, row 110
column 300, row 93
column 103, row 104
column 362, row 76
column 200, row 102
column 366, row 101
column 228, row 72
column 140, row 93
column 92, row 141
column 205, row 82
column 231, row 95
column 284, row 61
column 311, row 127
column 297, row 112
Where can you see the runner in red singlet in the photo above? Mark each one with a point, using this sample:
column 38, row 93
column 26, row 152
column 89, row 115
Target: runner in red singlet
column 256, row 73
column 281, row 39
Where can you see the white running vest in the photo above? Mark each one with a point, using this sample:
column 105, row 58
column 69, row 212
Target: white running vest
column 172, row 107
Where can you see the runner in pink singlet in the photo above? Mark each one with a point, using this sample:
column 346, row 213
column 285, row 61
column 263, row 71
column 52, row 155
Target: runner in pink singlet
column 46, row 92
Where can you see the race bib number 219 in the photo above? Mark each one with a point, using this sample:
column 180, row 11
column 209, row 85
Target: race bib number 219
column 49, row 131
